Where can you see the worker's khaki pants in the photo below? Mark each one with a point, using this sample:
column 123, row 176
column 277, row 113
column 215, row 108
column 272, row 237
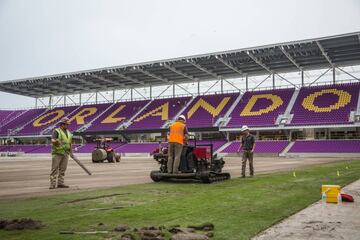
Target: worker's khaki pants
column 247, row 155
column 58, row 168
column 174, row 155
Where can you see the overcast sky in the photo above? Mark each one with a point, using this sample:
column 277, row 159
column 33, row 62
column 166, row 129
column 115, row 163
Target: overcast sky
column 40, row 37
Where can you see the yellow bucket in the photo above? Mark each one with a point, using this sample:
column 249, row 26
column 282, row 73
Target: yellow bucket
column 332, row 192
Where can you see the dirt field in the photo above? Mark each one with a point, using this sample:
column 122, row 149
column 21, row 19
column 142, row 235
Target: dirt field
column 29, row 176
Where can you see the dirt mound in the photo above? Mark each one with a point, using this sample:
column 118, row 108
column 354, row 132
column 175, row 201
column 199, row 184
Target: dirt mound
column 20, row 224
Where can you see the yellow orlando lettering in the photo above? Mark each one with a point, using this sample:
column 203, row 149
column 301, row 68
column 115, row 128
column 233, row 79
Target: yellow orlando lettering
column 111, row 118
column 57, row 115
column 161, row 111
column 208, row 107
column 84, row 113
column 344, row 99
column 276, row 102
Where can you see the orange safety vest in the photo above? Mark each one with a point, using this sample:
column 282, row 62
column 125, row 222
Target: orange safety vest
column 177, row 130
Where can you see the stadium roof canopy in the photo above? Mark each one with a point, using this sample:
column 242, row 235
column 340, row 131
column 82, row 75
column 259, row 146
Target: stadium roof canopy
column 310, row 54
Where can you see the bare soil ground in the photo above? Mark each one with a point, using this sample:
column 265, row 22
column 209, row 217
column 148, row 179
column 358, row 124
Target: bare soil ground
column 28, row 176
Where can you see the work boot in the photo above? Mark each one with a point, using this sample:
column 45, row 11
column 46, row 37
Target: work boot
column 52, row 187
column 63, row 186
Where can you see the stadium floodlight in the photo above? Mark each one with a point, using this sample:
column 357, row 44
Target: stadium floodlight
column 216, row 56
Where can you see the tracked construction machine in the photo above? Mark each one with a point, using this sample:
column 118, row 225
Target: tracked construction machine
column 103, row 151
column 197, row 163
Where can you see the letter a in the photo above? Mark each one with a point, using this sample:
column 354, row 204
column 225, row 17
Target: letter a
column 161, row 111
column 205, row 105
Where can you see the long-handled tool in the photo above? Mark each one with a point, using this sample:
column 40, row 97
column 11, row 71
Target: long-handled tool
column 90, row 233
column 80, row 164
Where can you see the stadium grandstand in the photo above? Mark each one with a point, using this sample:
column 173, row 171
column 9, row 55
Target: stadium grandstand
column 297, row 97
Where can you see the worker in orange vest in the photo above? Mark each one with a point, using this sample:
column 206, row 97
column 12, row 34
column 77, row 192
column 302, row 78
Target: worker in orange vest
column 177, row 137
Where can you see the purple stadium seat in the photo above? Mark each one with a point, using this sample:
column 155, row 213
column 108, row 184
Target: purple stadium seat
column 137, row 148
column 7, row 115
column 86, row 113
column 325, row 105
column 326, row 146
column 204, row 111
column 216, row 143
column 260, row 108
column 20, row 148
column 158, row 112
column 261, row 146
column 89, row 147
column 51, row 117
column 149, row 147
column 21, row 120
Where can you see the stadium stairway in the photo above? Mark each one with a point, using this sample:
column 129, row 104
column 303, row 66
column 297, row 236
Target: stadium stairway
column 224, row 120
column 87, row 125
column 167, row 123
column 287, row 114
column 8, row 120
column 51, row 127
column 286, row 149
column 128, row 123
column 355, row 115
column 29, row 122
column 219, row 150
column 11, row 116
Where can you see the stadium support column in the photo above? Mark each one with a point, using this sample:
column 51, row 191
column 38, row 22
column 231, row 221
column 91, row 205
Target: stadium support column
column 150, row 92
column 80, row 98
column 173, row 90
column 302, row 78
column 113, row 95
column 50, row 101
column 222, row 85
column 273, row 80
column 333, row 72
column 131, row 94
column 198, row 90
column 64, row 100
column 246, row 82
column 96, row 97
column 36, row 102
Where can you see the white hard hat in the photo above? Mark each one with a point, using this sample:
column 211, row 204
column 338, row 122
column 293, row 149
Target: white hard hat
column 65, row 120
column 244, row 127
column 182, row 117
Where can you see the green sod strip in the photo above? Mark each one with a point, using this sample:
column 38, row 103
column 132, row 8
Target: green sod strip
column 239, row 208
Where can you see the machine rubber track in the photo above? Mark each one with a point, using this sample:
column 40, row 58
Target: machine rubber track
column 215, row 177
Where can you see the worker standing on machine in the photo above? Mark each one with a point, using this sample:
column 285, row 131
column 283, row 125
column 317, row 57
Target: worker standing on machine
column 178, row 135
column 247, row 147
column 60, row 151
